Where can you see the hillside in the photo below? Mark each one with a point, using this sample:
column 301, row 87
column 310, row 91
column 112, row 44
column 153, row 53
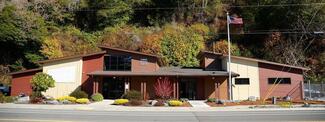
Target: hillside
column 284, row 31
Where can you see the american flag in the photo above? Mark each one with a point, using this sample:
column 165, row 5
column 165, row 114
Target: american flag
column 236, row 20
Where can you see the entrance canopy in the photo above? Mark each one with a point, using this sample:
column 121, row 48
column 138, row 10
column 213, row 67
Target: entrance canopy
column 165, row 71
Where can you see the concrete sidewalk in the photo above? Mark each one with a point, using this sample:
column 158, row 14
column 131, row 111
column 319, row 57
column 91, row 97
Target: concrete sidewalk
column 106, row 106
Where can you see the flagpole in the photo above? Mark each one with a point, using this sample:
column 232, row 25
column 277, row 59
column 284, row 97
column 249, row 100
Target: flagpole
column 229, row 60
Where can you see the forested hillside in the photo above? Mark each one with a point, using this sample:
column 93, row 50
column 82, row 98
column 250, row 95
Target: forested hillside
column 285, row 31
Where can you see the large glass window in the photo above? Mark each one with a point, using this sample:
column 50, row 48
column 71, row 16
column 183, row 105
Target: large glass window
column 279, row 80
column 117, row 63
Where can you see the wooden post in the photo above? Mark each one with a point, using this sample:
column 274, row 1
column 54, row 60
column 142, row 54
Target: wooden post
column 94, row 84
column 216, row 89
column 141, row 88
column 174, row 89
column 144, row 90
column 177, row 89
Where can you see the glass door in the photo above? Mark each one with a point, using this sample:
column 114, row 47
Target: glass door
column 187, row 88
column 113, row 88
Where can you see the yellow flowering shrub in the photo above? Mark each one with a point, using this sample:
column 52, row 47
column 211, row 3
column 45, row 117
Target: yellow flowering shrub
column 120, row 101
column 69, row 98
column 82, row 101
column 175, row 103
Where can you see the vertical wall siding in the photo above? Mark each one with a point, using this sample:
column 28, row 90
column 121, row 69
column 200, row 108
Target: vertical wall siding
column 245, row 69
column 294, row 90
column 64, row 88
column 21, row 83
column 90, row 64
column 209, row 88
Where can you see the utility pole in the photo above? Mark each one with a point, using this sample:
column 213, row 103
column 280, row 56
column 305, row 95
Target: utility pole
column 309, row 89
column 229, row 59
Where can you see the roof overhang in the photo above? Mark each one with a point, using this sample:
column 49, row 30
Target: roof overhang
column 27, row 71
column 70, row 57
column 127, row 51
column 164, row 72
column 255, row 60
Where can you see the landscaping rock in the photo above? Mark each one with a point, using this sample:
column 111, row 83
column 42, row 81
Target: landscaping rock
column 306, row 105
column 184, row 99
column 66, row 102
column 49, row 98
column 54, row 102
column 220, row 102
column 153, row 102
column 23, row 100
column 287, row 98
column 252, row 98
column 166, row 104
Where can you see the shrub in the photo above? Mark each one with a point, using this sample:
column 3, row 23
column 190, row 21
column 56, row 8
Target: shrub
column 285, row 104
column 175, row 103
column 41, row 82
column 82, row 101
column 2, row 98
column 79, row 94
column 97, row 97
column 132, row 95
column 69, row 98
column 211, row 100
column 120, row 101
column 9, row 99
column 36, row 97
column 163, row 88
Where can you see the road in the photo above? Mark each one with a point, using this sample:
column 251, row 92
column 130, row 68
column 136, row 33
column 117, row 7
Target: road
column 31, row 115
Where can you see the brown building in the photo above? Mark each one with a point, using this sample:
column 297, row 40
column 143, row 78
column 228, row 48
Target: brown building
column 114, row 71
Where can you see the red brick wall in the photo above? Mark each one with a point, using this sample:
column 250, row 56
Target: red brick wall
column 151, row 65
column 294, row 90
column 90, row 64
column 21, row 83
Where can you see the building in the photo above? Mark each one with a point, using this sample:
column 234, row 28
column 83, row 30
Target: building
column 114, row 71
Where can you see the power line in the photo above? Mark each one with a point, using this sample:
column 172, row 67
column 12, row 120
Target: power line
column 276, row 5
column 231, row 6
column 284, row 32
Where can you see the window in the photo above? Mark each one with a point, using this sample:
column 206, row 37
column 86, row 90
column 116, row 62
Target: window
column 143, row 61
column 242, row 81
column 117, row 63
column 279, row 80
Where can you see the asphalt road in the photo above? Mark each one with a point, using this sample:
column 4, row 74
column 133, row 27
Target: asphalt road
column 31, row 115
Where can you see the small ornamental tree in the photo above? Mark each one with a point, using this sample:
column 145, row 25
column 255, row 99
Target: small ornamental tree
column 41, row 82
column 163, row 88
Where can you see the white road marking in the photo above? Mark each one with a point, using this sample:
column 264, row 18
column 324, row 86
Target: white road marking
column 32, row 120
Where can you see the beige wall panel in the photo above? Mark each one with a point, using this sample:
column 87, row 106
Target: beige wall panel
column 67, row 74
column 246, row 69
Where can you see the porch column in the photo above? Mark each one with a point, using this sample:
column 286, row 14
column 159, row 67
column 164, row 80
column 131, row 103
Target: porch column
column 95, row 85
column 174, row 89
column 143, row 89
column 216, row 89
column 177, row 89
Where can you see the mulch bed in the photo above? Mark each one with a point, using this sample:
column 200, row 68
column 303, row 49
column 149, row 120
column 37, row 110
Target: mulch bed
column 212, row 104
column 146, row 104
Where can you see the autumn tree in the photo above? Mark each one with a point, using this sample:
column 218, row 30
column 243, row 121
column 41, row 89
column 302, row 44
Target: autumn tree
column 222, row 47
column 151, row 43
column 181, row 45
